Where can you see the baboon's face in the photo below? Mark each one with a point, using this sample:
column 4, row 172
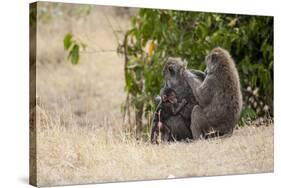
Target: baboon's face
column 208, row 63
column 212, row 62
column 171, row 98
column 173, row 71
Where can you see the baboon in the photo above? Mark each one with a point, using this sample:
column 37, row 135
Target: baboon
column 174, row 77
column 219, row 96
column 168, row 106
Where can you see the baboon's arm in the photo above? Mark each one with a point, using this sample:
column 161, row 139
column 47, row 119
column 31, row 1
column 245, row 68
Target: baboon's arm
column 201, row 75
column 202, row 91
column 177, row 108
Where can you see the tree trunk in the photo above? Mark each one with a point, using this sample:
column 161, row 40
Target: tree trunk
column 139, row 124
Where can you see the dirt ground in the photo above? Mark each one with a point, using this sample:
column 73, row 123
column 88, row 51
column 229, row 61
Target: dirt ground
column 79, row 123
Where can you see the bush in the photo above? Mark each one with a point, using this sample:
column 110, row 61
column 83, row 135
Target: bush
column 157, row 34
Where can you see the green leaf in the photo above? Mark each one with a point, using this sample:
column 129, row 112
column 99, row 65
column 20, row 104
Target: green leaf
column 248, row 113
column 74, row 54
column 67, row 41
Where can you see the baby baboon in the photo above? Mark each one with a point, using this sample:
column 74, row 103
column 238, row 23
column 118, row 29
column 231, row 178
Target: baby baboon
column 219, row 96
column 168, row 106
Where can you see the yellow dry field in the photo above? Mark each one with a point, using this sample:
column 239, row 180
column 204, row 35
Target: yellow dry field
column 80, row 138
column 85, row 156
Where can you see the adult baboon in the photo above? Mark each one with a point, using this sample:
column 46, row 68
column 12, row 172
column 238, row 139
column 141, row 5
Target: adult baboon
column 174, row 76
column 219, row 96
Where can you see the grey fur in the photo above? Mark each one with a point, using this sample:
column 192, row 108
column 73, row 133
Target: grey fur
column 168, row 107
column 175, row 77
column 219, row 96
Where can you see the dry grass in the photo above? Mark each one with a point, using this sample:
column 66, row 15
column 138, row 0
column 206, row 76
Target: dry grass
column 76, row 155
column 80, row 138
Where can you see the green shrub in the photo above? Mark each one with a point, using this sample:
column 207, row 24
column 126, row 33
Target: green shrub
column 157, row 34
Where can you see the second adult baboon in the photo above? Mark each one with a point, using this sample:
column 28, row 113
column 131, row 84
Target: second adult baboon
column 219, row 96
column 174, row 76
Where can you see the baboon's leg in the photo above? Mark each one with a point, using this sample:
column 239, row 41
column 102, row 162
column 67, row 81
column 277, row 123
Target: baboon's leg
column 154, row 134
column 225, row 129
column 199, row 122
column 179, row 107
column 166, row 135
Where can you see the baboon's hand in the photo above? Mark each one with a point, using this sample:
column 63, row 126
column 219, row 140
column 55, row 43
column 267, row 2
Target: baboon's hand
column 158, row 99
column 190, row 75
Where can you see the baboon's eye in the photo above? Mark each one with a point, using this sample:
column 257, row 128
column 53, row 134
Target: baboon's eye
column 171, row 70
column 214, row 57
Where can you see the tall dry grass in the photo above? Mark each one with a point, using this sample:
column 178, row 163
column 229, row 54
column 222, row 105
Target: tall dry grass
column 85, row 155
column 80, row 133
